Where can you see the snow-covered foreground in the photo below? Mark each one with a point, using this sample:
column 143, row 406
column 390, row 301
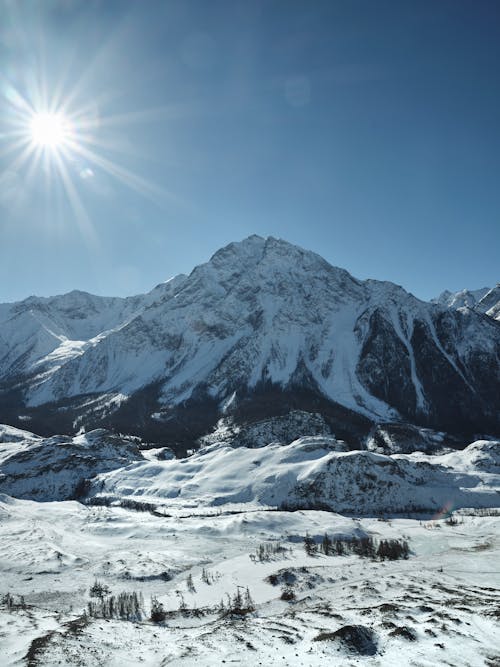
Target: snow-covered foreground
column 439, row 607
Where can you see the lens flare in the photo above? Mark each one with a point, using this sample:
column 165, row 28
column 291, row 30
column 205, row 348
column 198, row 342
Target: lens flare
column 60, row 139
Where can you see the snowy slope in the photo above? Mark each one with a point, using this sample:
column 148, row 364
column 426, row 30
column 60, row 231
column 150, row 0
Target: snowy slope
column 44, row 333
column 314, row 472
column 438, row 607
column 55, row 468
column 214, row 511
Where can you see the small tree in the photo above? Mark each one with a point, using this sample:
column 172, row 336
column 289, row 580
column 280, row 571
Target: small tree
column 182, row 603
column 364, row 547
column 248, row 602
column 310, row 545
column 326, row 545
column 237, row 602
column 99, row 590
column 339, row 548
column 158, row 614
column 190, row 584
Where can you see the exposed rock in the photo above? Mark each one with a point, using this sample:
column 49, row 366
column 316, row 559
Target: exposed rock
column 58, row 468
column 354, row 638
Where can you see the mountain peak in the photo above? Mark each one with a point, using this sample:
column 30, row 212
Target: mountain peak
column 485, row 300
column 261, row 315
column 465, row 297
column 249, row 249
column 278, row 252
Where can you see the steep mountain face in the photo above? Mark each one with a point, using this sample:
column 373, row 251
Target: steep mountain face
column 262, row 328
column 39, row 334
column 490, row 303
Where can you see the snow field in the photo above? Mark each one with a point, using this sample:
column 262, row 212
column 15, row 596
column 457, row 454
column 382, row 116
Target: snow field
column 445, row 595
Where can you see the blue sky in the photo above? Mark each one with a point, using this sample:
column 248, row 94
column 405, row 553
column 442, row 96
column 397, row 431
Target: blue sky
column 365, row 131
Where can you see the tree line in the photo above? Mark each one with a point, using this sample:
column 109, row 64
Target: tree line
column 365, row 547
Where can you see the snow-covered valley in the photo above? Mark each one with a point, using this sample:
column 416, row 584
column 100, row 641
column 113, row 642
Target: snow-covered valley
column 224, row 553
column 440, row 606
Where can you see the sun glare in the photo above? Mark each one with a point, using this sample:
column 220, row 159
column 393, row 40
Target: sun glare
column 56, row 138
column 49, row 130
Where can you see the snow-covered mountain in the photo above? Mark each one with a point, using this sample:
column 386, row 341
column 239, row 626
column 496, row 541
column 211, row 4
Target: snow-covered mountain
column 40, row 334
column 464, row 298
column 485, row 300
column 261, row 328
column 490, row 303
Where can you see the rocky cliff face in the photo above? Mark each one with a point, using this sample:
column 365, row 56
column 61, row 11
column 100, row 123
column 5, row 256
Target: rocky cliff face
column 262, row 328
column 490, row 303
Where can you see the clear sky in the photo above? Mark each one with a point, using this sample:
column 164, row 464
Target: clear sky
column 367, row 131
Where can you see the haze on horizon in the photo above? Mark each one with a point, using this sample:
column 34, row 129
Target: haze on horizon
column 138, row 138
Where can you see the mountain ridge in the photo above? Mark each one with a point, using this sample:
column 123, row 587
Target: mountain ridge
column 485, row 300
column 262, row 315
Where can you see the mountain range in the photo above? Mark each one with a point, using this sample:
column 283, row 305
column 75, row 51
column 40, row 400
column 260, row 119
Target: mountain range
column 263, row 329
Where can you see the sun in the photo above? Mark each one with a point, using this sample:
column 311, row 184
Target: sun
column 63, row 147
column 49, row 130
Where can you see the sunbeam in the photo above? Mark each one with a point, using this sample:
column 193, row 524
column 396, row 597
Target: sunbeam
column 58, row 138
